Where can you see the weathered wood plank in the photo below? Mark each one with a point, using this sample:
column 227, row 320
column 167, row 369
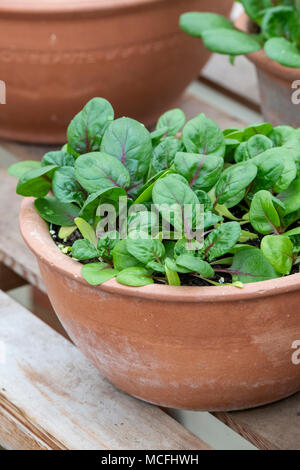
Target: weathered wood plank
column 273, row 427
column 52, row 397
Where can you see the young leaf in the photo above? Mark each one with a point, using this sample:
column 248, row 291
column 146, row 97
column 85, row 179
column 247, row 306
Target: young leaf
column 255, row 8
column 65, row 187
column 135, row 277
column 130, row 142
column 172, row 277
column 291, row 197
column 99, row 171
column 264, row 217
column 196, row 23
column 232, row 42
column 278, row 250
column 221, row 240
column 107, row 243
column 202, row 135
column 86, row 230
column 58, row 158
column 56, row 212
column 66, row 232
column 250, row 265
column 84, row 250
column 36, row 182
column 201, row 171
column 164, row 154
column 122, row 258
column 195, row 264
column 17, row 170
column 173, row 120
column 145, row 250
column 86, row 130
column 283, row 52
column 233, row 182
column 294, row 236
column 97, row 273
column 281, row 21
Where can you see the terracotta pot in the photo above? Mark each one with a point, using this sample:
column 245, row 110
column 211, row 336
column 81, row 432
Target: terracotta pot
column 202, row 348
column 275, row 84
column 56, row 55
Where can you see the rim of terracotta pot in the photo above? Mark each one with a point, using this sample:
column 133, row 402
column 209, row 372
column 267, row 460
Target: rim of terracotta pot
column 261, row 60
column 36, row 235
column 60, row 6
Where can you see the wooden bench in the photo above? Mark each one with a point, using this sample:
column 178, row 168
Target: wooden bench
column 51, row 397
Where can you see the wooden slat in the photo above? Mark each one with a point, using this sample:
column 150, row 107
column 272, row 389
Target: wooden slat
column 51, row 397
column 238, row 80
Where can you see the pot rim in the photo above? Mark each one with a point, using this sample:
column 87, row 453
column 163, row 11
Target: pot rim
column 261, row 60
column 69, row 6
column 35, row 232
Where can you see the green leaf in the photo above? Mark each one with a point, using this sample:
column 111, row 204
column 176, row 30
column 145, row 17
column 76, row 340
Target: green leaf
column 122, row 259
column 142, row 221
column 283, row 52
column 262, row 128
column 135, row 277
column 294, row 236
column 99, row 171
column 56, row 212
column 246, row 236
column 65, row 232
column 173, row 120
column 202, row 135
column 86, row 130
column 17, row 170
column 172, row 266
column 234, row 181
column 232, row 42
column 201, row 171
column 250, row 265
column 84, row 250
column 107, row 243
column 221, row 240
column 281, row 21
column 164, row 154
column 263, row 215
column 256, row 145
column 278, row 250
column 145, row 250
column 255, row 8
column 36, row 182
column 130, row 142
column 65, row 187
column 196, row 23
column 195, row 264
column 92, row 202
column 158, row 134
column 86, row 230
column 172, row 277
column 171, row 197
column 291, row 197
column 97, row 273
column 58, row 158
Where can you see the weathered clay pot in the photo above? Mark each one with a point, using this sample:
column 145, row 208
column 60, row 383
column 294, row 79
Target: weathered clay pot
column 203, row 348
column 275, row 84
column 57, row 54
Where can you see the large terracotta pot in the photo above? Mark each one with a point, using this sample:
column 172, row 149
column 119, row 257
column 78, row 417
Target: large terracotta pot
column 275, row 84
column 57, row 54
column 201, row 348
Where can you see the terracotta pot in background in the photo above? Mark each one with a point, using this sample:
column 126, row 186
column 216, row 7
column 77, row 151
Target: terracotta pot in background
column 55, row 55
column 275, row 84
column 201, row 348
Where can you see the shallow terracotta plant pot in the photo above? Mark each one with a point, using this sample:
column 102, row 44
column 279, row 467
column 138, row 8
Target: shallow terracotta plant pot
column 56, row 55
column 275, row 85
column 201, row 348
